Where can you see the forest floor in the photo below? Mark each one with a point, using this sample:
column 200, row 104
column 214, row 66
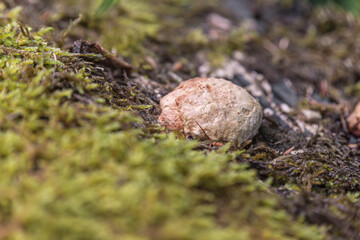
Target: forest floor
column 300, row 63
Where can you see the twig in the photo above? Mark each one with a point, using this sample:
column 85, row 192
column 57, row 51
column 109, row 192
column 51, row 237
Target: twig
column 69, row 29
column 203, row 130
column 289, row 150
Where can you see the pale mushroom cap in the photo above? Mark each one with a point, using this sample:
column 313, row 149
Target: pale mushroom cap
column 211, row 108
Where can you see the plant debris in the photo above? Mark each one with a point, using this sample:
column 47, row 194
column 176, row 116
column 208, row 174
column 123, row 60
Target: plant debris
column 354, row 121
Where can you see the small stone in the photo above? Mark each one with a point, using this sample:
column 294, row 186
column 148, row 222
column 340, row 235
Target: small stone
column 285, row 108
column 211, row 108
column 177, row 66
column 284, row 91
column 268, row 112
column 218, row 21
column 354, row 121
column 241, row 81
column 310, row 116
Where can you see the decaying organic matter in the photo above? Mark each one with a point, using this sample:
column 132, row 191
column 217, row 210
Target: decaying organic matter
column 354, row 121
column 211, row 108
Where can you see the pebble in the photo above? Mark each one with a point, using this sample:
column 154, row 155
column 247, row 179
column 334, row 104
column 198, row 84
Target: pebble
column 268, row 112
column 284, row 91
column 285, row 108
column 310, row 116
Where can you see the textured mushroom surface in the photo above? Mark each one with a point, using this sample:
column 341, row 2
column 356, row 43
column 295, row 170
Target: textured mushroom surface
column 211, row 108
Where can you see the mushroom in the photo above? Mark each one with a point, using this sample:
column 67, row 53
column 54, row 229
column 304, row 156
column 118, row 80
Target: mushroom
column 211, row 109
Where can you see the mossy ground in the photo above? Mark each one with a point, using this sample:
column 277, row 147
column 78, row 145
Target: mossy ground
column 81, row 155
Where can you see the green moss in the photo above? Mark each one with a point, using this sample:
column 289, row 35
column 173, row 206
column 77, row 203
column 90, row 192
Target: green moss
column 134, row 22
